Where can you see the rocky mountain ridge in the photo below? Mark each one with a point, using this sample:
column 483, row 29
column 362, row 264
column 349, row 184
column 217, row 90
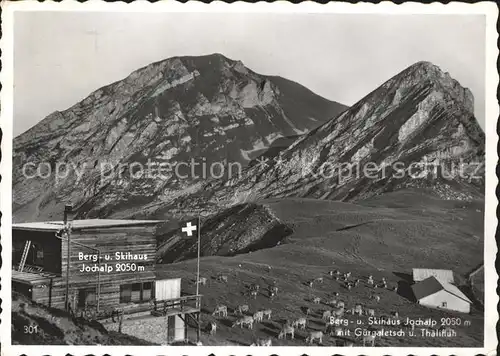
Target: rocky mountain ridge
column 417, row 130
column 208, row 108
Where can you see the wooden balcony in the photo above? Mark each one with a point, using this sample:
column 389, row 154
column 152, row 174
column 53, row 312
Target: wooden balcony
column 175, row 306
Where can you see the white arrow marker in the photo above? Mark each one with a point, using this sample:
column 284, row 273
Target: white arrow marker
column 188, row 229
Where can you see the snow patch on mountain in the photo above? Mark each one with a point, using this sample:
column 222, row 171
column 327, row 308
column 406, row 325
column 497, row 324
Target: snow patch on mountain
column 257, row 146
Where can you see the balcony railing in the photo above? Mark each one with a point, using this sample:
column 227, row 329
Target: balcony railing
column 181, row 305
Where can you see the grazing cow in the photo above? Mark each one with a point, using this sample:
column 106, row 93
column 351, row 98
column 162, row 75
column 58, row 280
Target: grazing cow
column 395, row 288
column 202, row 281
column 253, row 294
column 319, row 280
column 213, row 328
column 329, row 328
column 326, row 315
column 315, row 335
column 336, row 278
column 300, row 323
column 274, row 289
column 242, row 309
column 310, row 284
column 332, row 302
column 338, row 312
column 254, row 286
column 287, row 329
column 369, row 339
column 246, row 320
column 258, row 316
column 336, row 294
column 272, row 295
column 348, row 274
column 316, row 300
column 370, row 312
column 220, row 310
column 358, row 309
column 370, row 281
column 331, row 273
column 222, row 278
column 376, row 297
column 267, row 313
column 348, row 286
column 340, row 304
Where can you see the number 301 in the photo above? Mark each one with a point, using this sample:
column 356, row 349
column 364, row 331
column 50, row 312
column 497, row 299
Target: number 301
column 30, row 329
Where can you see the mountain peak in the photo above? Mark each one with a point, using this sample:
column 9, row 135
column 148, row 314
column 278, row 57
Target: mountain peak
column 209, row 107
column 423, row 71
column 421, row 118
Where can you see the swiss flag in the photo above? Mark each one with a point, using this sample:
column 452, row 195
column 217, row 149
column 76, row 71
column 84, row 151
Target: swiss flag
column 190, row 228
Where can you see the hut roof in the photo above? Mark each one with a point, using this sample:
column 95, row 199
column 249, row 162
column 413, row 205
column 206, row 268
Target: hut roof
column 431, row 285
column 442, row 275
column 82, row 224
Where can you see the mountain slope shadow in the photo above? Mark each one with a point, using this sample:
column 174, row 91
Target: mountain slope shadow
column 404, row 286
column 240, row 229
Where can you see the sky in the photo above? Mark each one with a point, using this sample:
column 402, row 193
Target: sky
column 61, row 57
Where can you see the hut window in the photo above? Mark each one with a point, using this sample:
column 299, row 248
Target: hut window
column 146, row 291
column 125, row 293
column 444, row 304
column 86, row 297
column 136, row 292
column 37, row 255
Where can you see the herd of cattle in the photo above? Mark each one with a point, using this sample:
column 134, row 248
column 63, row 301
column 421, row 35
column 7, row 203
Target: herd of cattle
column 332, row 316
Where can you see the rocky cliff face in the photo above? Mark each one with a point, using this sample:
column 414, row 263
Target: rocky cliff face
column 417, row 130
column 239, row 229
column 117, row 150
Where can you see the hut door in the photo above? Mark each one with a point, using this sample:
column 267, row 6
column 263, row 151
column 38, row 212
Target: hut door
column 180, row 328
column 171, row 328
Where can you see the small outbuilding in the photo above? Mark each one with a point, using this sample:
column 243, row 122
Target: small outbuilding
column 434, row 293
column 442, row 275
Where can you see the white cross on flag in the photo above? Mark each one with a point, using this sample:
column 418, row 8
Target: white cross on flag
column 190, row 228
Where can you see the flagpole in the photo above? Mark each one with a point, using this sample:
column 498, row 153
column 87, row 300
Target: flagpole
column 198, row 259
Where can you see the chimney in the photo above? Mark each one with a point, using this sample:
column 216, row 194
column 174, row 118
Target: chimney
column 68, row 213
